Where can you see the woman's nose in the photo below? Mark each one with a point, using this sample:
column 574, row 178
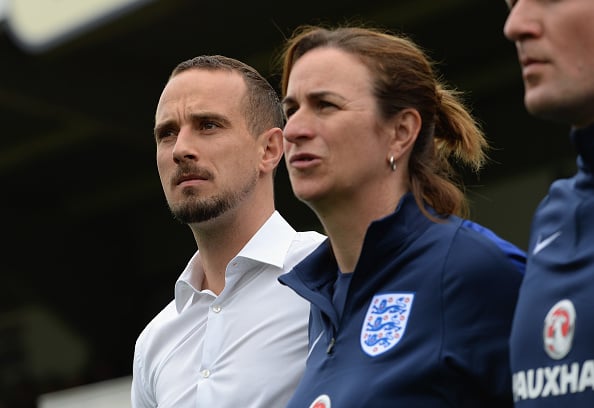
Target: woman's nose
column 297, row 127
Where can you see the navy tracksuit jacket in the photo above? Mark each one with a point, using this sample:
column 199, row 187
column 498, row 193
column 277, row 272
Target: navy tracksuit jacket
column 424, row 321
column 552, row 342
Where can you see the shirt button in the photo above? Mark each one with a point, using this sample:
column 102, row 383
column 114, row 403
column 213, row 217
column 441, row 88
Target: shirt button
column 205, row 373
column 216, row 308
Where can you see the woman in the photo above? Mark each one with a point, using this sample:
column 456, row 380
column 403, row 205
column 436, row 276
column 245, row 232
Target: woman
column 411, row 305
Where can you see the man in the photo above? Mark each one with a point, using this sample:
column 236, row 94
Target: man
column 552, row 341
column 233, row 336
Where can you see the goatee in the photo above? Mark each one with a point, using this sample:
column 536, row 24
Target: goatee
column 195, row 209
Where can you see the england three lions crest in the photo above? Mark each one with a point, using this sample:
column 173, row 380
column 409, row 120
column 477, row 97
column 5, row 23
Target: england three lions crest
column 385, row 322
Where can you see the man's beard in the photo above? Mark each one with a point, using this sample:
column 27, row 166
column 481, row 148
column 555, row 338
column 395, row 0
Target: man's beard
column 196, row 209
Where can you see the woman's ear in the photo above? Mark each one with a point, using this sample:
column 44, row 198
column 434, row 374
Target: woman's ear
column 407, row 125
column 272, row 149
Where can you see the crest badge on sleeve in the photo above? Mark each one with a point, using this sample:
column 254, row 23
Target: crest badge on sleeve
column 559, row 327
column 323, row 401
column 385, row 322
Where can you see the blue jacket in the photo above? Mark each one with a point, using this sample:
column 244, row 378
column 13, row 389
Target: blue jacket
column 552, row 342
column 425, row 323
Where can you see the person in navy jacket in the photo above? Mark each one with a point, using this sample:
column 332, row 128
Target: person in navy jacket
column 411, row 304
column 552, row 342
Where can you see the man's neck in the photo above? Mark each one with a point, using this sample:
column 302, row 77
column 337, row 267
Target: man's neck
column 219, row 242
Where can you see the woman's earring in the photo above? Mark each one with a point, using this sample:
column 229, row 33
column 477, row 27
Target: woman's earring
column 392, row 163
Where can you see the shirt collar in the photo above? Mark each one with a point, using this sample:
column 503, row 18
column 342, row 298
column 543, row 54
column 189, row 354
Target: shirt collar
column 269, row 245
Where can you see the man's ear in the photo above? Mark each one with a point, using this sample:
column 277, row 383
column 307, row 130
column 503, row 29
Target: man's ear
column 272, row 149
column 407, row 125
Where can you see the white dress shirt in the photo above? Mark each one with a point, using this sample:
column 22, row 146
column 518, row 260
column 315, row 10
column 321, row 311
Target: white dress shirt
column 244, row 348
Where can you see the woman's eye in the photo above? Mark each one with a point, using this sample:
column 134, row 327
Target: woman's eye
column 325, row 105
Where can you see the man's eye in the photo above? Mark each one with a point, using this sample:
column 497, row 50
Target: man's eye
column 164, row 133
column 209, row 125
column 289, row 112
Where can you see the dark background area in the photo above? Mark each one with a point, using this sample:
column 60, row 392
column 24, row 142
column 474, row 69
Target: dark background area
column 90, row 252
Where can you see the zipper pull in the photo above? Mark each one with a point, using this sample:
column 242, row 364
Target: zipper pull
column 330, row 346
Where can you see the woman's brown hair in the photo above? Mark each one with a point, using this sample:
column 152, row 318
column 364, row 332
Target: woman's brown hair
column 404, row 77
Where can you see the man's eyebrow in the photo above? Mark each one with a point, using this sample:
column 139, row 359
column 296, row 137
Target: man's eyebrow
column 196, row 117
column 287, row 100
column 200, row 117
column 167, row 124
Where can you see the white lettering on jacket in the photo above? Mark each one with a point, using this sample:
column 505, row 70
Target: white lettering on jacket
column 553, row 381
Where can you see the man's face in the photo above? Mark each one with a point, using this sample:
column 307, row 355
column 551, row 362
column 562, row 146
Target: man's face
column 555, row 44
column 206, row 156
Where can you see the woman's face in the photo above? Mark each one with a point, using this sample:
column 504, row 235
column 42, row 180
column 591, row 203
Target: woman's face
column 336, row 145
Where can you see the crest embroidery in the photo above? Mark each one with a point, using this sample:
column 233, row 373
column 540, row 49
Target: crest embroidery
column 385, row 322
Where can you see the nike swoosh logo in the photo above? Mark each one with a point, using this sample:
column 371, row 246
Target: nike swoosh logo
column 540, row 245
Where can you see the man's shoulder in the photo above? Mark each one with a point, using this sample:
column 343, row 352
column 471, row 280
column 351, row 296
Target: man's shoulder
column 161, row 319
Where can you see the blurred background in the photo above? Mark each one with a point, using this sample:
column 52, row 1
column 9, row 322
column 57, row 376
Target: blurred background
column 90, row 252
